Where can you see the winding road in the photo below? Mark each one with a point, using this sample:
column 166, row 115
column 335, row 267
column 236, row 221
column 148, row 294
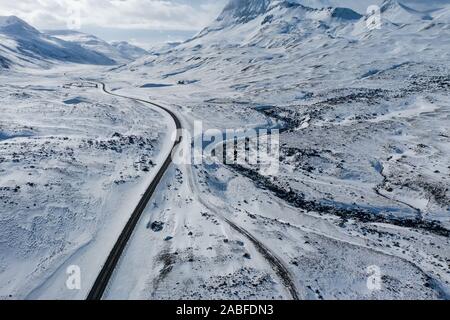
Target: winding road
column 101, row 283
column 105, row 274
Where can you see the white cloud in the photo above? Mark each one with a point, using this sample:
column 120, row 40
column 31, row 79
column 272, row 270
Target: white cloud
column 125, row 14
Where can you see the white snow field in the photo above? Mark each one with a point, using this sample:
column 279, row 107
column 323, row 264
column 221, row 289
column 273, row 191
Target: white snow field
column 363, row 180
column 73, row 163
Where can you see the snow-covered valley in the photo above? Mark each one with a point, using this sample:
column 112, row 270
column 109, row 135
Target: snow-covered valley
column 363, row 180
column 73, row 161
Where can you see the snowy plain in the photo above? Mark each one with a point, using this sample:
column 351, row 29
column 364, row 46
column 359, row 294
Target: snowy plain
column 74, row 162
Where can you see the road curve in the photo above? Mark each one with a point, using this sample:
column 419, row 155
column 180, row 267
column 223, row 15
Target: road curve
column 105, row 274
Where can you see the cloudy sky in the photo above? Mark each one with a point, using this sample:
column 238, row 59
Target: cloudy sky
column 143, row 22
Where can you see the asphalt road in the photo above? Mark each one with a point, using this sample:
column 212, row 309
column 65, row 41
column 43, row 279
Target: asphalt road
column 105, row 274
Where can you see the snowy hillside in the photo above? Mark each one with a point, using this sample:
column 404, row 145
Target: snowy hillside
column 24, row 46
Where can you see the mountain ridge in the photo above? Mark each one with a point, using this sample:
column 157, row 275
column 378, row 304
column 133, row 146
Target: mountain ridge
column 24, row 46
column 288, row 13
column 121, row 52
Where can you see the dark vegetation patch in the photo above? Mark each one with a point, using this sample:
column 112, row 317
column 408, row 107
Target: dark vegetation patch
column 299, row 201
column 156, row 226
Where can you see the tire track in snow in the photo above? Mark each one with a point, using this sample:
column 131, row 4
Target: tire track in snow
column 276, row 263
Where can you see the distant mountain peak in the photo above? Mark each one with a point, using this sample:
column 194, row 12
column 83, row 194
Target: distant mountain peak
column 398, row 12
column 8, row 20
column 244, row 10
column 128, row 50
column 391, row 4
column 15, row 25
column 345, row 14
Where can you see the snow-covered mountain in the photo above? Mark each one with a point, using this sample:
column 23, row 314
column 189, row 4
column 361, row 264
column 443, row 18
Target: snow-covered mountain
column 129, row 51
column 241, row 11
column 273, row 23
column 286, row 23
column 120, row 52
column 89, row 42
column 23, row 45
column 252, row 38
column 274, row 34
